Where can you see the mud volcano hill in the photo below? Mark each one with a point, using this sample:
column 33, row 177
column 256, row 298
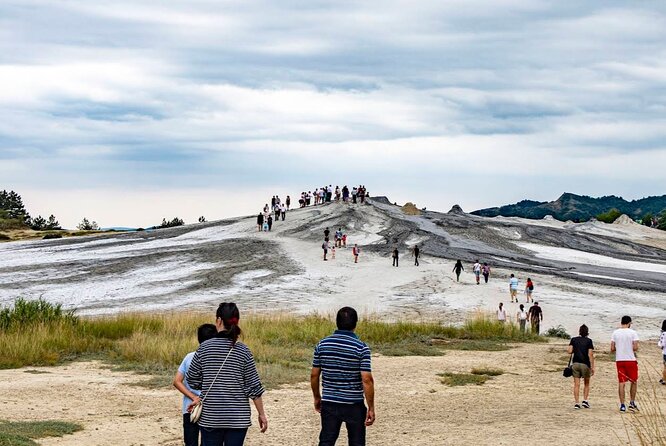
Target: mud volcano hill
column 198, row 264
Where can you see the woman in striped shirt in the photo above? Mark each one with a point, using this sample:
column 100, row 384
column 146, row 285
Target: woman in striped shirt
column 226, row 409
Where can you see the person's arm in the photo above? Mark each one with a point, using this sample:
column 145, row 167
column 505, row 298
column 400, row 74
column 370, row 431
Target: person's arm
column 590, row 353
column 541, row 315
column 195, row 372
column 634, row 344
column 263, row 421
column 179, row 383
column 612, row 346
column 570, row 349
column 369, row 392
column 314, row 384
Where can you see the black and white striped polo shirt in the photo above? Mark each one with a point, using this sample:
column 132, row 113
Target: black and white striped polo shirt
column 226, row 405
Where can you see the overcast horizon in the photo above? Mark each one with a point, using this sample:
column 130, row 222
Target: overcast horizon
column 129, row 112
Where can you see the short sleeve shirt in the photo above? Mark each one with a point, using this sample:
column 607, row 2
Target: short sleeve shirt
column 624, row 344
column 513, row 283
column 184, row 366
column 581, row 349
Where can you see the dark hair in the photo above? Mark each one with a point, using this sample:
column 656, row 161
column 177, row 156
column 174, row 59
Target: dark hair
column 625, row 320
column 346, row 319
column 522, row 307
column 663, row 325
column 206, row 332
column 511, row 275
column 229, row 314
column 583, row 331
column 528, row 279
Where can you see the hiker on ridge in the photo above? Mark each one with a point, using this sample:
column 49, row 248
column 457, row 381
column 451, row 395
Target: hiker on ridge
column 458, row 268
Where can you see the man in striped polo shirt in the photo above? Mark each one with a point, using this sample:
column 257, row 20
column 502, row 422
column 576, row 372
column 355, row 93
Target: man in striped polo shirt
column 342, row 361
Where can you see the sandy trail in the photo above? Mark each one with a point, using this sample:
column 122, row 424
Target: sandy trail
column 413, row 407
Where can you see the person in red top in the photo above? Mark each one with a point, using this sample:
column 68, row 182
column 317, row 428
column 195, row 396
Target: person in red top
column 355, row 252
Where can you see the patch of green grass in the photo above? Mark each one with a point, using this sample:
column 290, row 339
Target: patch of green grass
column 462, row 379
column 21, row 433
column 488, row 371
column 471, row 345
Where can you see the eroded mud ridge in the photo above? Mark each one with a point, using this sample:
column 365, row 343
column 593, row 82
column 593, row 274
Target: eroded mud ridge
column 589, row 268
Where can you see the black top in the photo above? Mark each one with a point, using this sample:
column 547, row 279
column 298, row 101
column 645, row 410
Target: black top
column 581, row 347
column 416, row 251
column 535, row 312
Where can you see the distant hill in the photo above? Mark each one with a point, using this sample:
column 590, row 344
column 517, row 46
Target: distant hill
column 577, row 207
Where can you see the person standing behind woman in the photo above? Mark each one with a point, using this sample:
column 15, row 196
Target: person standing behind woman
column 477, row 272
column 485, row 270
column 501, row 313
column 662, row 344
column 582, row 364
column 224, row 370
column 457, row 269
column 521, row 316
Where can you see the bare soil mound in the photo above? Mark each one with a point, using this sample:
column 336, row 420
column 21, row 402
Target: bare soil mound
column 410, row 209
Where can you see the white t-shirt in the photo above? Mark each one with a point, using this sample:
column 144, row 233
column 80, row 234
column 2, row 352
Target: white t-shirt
column 501, row 315
column 476, row 268
column 522, row 315
column 624, row 339
column 513, row 283
column 662, row 342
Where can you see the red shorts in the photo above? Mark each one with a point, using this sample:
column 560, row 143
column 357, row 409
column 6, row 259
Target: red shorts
column 627, row 371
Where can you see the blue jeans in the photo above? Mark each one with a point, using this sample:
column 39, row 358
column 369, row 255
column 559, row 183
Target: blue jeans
column 190, row 431
column 332, row 417
column 222, row 437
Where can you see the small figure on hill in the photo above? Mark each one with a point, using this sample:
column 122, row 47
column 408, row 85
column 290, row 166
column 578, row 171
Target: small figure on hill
column 266, row 208
column 501, row 313
column 338, row 237
column 477, row 271
column 342, row 363
column 273, row 202
column 265, row 226
column 624, row 342
column 582, row 363
column 458, row 268
column 283, row 210
column 191, row 430
column 270, row 222
column 395, row 256
column 662, row 344
column 329, row 193
column 529, row 288
column 327, row 232
column 535, row 315
column 333, row 252
column 355, row 252
column 485, row 270
column 354, row 194
column 337, row 193
column 345, row 194
column 344, row 240
column 513, row 288
column 416, row 254
column 288, row 202
column 521, row 317
column 325, row 247
column 260, row 221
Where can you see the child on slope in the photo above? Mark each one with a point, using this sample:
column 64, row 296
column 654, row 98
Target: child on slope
column 191, row 430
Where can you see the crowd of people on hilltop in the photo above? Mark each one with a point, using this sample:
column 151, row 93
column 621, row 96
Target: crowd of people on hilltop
column 327, row 194
column 278, row 208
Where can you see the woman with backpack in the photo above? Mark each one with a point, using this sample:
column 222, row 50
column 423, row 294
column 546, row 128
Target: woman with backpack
column 529, row 288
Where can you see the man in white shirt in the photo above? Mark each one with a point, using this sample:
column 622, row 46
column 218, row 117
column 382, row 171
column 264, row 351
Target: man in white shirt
column 624, row 343
column 513, row 288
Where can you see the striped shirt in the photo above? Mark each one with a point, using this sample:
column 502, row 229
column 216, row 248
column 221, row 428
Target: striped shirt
column 226, row 405
column 342, row 357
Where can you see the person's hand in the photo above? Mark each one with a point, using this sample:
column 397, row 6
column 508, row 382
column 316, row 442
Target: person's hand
column 317, row 404
column 370, row 417
column 592, row 371
column 196, row 400
column 263, row 422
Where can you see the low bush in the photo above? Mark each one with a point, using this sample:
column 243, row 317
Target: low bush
column 462, row 379
column 51, row 236
column 4, row 237
column 557, row 332
column 20, row 433
column 488, row 371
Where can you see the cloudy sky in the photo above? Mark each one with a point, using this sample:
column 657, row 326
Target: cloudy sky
column 127, row 112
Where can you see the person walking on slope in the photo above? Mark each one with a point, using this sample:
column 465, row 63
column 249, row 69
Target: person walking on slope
column 458, row 268
column 662, row 344
column 521, row 317
column 582, row 364
column 417, row 252
column 260, row 221
column 477, row 271
column 327, row 232
column 624, row 342
column 288, row 202
column 395, row 257
column 325, row 247
column 485, row 270
column 513, row 288
column 355, row 252
column 535, row 315
column 270, row 221
column 342, row 364
column 501, row 313
column 529, row 288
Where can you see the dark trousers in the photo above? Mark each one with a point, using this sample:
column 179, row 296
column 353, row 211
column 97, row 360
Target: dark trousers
column 416, row 261
column 190, row 431
column 395, row 261
column 485, row 277
column 332, row 417
column 222, row 437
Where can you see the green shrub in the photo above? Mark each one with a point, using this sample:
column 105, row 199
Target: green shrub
column 51, row 236
column 462, row 379
column 557, row 332
column 4, row 237
column 25, row 313
column 610, row 216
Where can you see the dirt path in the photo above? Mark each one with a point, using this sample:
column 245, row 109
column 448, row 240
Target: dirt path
column 530, row 404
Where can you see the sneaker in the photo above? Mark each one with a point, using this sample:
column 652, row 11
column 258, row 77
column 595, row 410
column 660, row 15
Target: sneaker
column 586, row 404
column 662, row 382
column 576, row 406
column 623, row 408
column 633, row 407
